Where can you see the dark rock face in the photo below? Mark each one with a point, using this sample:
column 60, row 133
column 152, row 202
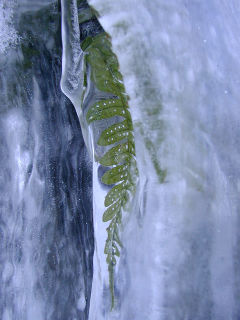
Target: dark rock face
column 46, row 229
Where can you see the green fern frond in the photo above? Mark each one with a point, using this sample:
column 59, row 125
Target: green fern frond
column 116, row 155
column 120, row 158
column 112, row 211
column 116, row 174
column 106, row 109
column 116, row 193
column 116, row 133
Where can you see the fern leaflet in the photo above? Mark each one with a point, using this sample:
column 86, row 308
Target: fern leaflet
column 120, row 158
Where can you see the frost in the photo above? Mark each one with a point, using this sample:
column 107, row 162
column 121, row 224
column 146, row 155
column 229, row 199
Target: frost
column 8, row 34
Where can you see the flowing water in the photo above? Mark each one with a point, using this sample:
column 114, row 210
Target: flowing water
column 45, row 201
column 181, row 256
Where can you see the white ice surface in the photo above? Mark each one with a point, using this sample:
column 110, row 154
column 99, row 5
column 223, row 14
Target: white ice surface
column 182, row 245
column 8, row 34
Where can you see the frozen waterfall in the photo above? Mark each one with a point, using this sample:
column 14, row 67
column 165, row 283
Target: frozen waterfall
column 180, row 63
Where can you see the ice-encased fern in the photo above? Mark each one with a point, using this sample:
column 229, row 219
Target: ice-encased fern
column 120, row 159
